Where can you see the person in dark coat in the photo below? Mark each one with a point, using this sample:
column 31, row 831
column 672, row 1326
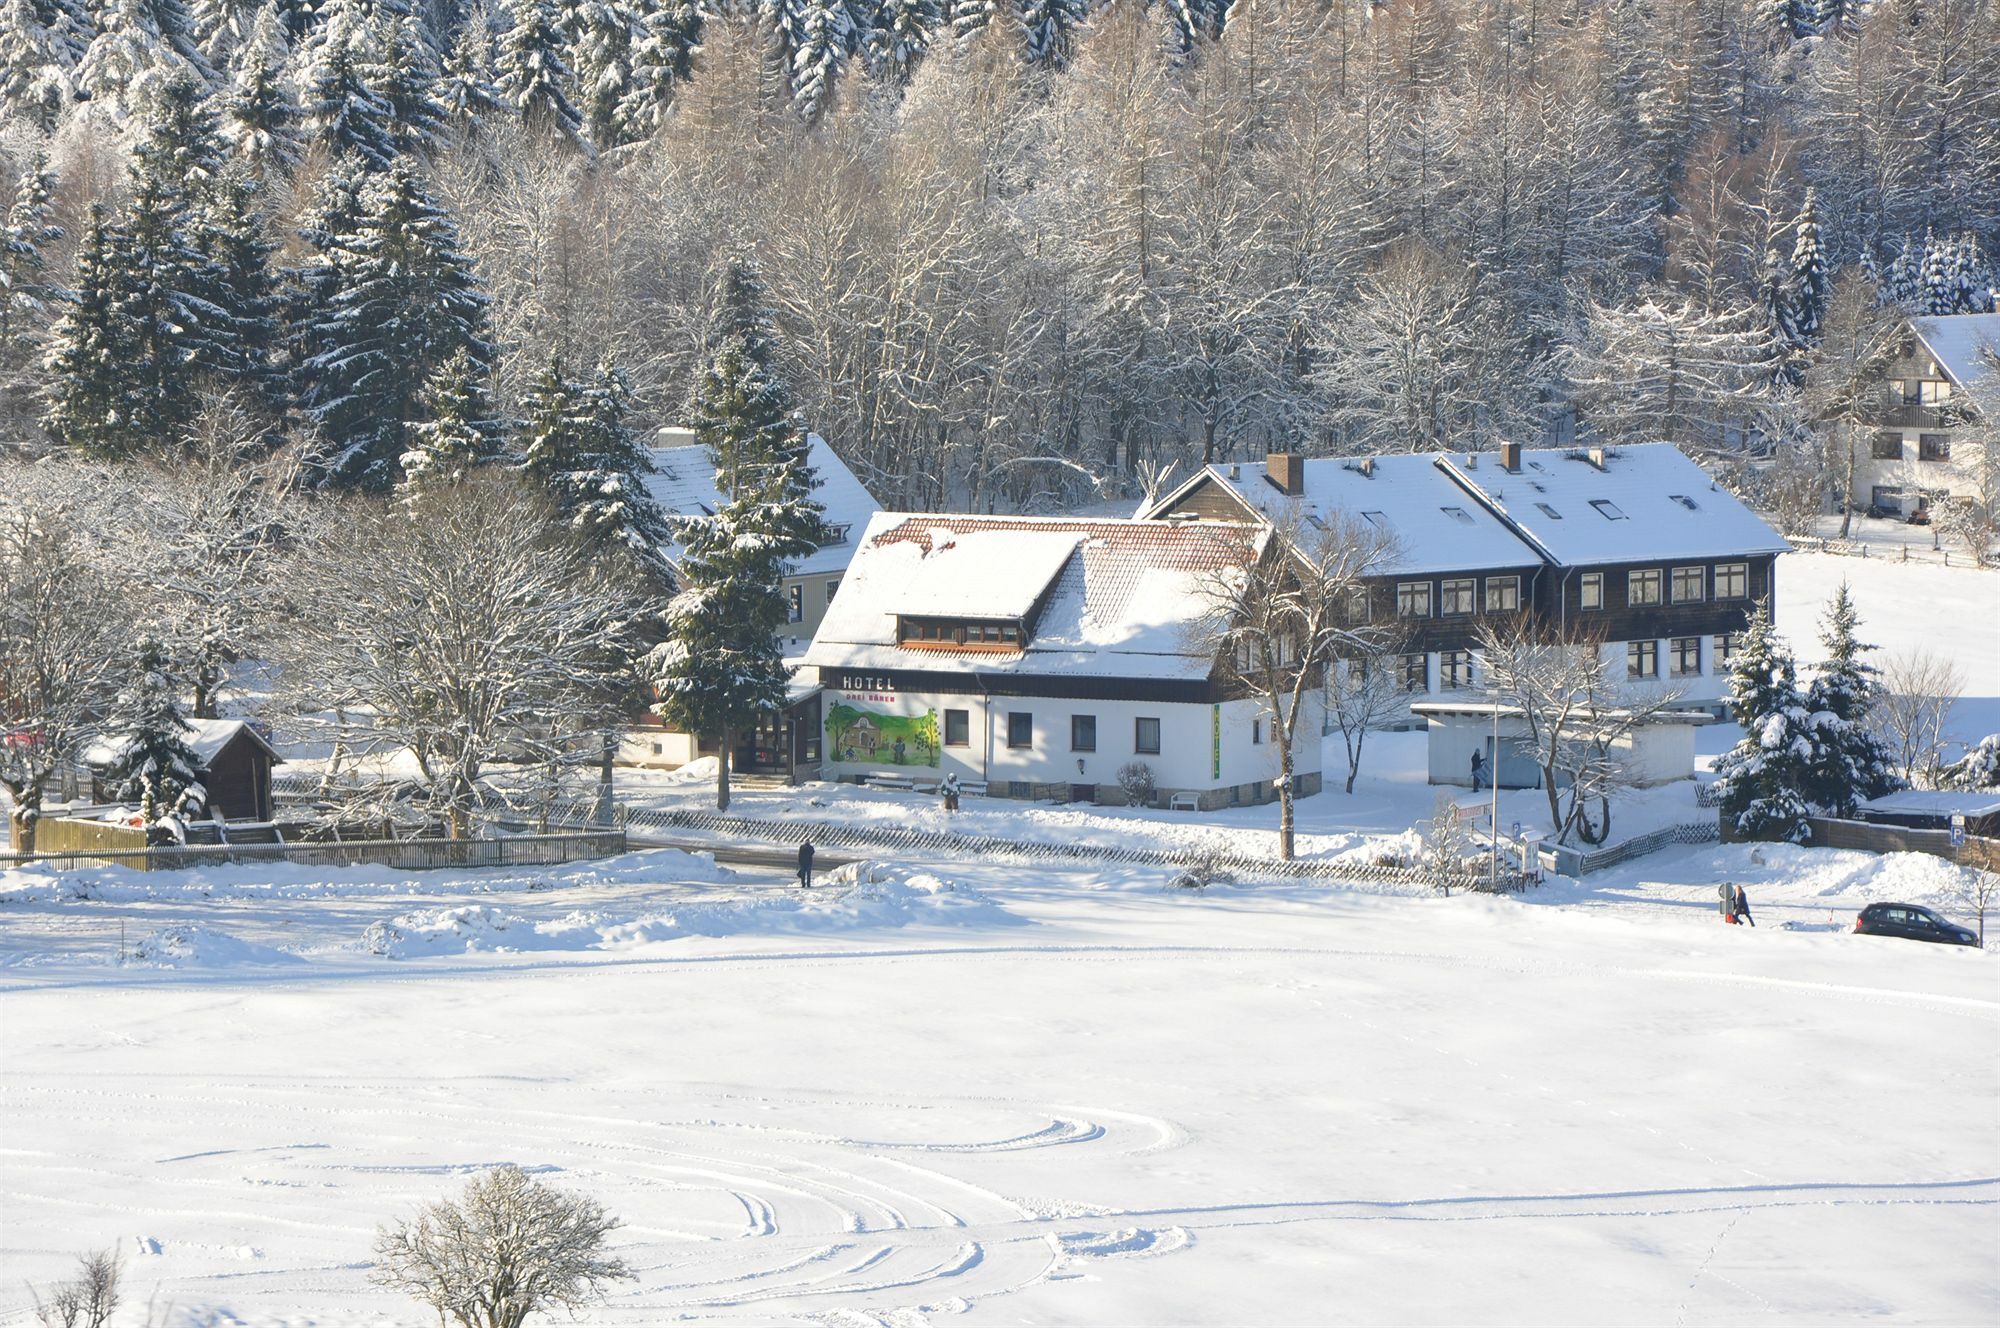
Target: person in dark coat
column 1742, row 907
column 806, row 865
column 1478, row 770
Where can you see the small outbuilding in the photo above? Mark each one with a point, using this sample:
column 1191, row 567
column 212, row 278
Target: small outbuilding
column 1660, row 751
column 235, row 760
column 1933, row 809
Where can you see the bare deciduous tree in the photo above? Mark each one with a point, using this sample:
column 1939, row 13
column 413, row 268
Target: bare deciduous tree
column 509, row 1247
column 1297, row 602
column 1918, row 692
column 1579, row 721
column 1844, row 376
column 1363, row 693
column 63, row 638
column 87, row 1299
column 467, row 634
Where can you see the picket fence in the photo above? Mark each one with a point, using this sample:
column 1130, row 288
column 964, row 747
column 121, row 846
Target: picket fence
column 1574, row 862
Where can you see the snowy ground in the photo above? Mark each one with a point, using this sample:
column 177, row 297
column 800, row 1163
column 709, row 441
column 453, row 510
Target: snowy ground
column 994, row 1095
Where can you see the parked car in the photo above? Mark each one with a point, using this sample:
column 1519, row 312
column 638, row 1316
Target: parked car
column 1912, row 922
column 1920, row 517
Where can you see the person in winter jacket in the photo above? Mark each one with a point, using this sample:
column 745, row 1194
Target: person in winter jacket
column 1478, row 770
column 806, row 865
column 949, row 790
column 1742, row 907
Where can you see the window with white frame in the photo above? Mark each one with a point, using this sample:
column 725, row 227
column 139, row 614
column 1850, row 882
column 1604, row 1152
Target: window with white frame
column 1684, row 656
column 1642, row 588
column 1413, row 599
column 1416, row 673
column 1732, row 580
column 795, row 603
column 1726, row 646
column 1590, row 590
column 1642, row 659
column 1503, row 594
column 1690, row 585
column 1454, row 669
column 1146, row 736
column 1458, row 595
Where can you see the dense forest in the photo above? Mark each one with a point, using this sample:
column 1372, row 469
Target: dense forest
column 1019, row 253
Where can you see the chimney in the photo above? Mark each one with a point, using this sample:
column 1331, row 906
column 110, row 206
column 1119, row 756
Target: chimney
column 1287, row 470
column 1510, row 457
column 1596, row 455
column 1368, row 467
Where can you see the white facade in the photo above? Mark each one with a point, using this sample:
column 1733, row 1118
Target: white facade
column 1658, row 753
column 1220, row 751
column 1925, row 440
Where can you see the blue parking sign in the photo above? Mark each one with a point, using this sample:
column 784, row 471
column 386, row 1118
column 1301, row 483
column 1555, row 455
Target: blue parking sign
column 1958, row 831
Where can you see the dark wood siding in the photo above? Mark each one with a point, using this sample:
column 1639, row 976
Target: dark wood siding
column 1439, row 632
column 1620, row 620
column 1213, row 500
column 238, row 780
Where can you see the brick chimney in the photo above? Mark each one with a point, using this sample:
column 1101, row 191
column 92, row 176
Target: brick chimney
column 1510, row 457
column 1287, row 470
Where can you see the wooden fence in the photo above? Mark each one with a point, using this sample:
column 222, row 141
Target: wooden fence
column 1830, row 832
column 1581, row 862
column 399, row 854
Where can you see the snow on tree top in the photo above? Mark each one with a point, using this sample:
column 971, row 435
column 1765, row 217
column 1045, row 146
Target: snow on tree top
column 1960, row 343
column 1099, row 597
column 683, row 483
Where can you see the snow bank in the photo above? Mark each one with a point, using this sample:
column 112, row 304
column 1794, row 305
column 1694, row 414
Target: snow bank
column 289, row 880
column 859, row 896
column 204, row 947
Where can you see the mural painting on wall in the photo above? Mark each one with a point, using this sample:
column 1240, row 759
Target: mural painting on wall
column 870, row 737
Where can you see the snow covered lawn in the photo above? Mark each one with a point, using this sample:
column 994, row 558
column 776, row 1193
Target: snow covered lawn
column 988, row 1094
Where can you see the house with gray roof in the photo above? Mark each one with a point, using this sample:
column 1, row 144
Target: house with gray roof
column 1928, row 436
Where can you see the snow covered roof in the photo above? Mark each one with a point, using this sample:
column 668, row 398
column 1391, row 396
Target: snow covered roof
column 210, row 736
column 1437, row 527
column 1648, row 503
column 1936, row 802
column 1958, row 343
column 1486, row 709
column 1118, row 597
column 683, row 484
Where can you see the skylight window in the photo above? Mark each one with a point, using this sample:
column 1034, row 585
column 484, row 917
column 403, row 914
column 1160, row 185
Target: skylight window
column 1684, row 501
column 1457, row 514
column 1375, row 519
column 1607, row 509
column 1549, row 512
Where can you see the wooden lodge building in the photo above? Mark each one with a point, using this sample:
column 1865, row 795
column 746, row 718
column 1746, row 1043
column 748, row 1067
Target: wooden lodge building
column 1636, row 545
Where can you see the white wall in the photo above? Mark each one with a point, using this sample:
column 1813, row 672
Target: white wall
column 1186, row 760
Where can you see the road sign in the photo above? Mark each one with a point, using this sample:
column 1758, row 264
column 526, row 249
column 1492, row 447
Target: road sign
column 1958, row 830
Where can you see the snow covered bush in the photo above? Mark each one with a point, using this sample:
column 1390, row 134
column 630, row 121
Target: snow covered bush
column 1136, row 779
column 1447, row 843
column 510, row 1247
column 1204, row 871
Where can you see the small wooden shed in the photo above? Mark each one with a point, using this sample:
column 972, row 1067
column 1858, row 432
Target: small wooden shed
column 236, row 763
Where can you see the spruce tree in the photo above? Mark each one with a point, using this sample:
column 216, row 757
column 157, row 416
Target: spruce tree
column 404, row 79
column 1051, row 28
column 604, row 38
column 86, row 370
column 399, row 299
column 260, row 120
column 1765, row 777
column 465, row 87
column 662, row 59
column 579, row 446
column 342, row 108
column 34, row 70
column 1809, row 280
column 532, row 75
column 455, row 433
column 128, row 59
column 818, row 37
column 236, row 256
column 148, row 733
column 1851, row 763
column 903, row 33
column 26, row 296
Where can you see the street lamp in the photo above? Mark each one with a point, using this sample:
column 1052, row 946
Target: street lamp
column 1494, row 774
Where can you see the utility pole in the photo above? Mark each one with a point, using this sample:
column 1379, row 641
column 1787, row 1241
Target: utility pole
column 1493, row 774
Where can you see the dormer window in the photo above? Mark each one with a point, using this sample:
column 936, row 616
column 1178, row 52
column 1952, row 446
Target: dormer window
column 960, row 633
column 836, row 534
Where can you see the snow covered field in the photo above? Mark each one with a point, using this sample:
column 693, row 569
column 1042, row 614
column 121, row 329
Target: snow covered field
column 1012, row 1096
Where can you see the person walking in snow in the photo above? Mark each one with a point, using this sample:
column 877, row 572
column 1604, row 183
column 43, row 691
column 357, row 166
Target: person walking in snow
column 1478, row 770
column 1742, row 906
column 950, row 791
column 806, row 865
